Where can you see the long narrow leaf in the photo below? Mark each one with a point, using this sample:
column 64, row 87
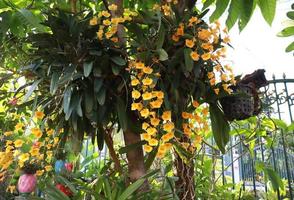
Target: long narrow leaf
column 131, row 189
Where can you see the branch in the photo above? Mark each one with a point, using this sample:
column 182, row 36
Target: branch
column 73, row 4
column 115, row 158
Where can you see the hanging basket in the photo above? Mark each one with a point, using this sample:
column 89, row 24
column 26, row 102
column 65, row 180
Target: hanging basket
column 244, row 102
column 240, row 106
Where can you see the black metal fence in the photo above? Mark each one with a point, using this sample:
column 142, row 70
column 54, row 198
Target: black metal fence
column 239, row 164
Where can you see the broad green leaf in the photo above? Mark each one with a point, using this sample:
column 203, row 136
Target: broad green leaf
column 127, row 148
column 291, row 127
column 89, row 101
column 189, row 63
column 280, row 124
column 98, row 82
column 259, row 166
column 207, row 3
column 221, row 6
column 290, row 15
column 100, row 138
column 286, row 32
column 31, row 90
column 247, row 8
column 268, row 9
column 121, row 114
column 115, row 69
column 131, row 189
column 220, row 127
column 88, row 66
column 234, row 13
column 101, row 96
column 30, row 19
column 118, row 60
column 54, row 82
column 66, row 99
column 79, row 107
column 274, row 179
column 162, row 54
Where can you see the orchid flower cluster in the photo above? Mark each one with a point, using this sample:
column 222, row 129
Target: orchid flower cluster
column 28, row 144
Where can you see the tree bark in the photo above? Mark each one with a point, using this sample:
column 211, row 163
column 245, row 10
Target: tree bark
column 135, row 157
column 73, row 5
column 113, row 155
column 185, row 172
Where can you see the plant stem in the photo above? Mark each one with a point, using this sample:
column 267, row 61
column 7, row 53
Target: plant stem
column 115, row 158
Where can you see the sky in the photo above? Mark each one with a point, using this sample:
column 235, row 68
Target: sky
column 258, row 46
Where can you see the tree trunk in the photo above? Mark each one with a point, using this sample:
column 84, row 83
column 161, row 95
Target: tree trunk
column 135, row 158
column 185, row 173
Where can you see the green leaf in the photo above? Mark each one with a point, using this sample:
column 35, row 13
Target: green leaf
column 101, row 96
column 98, row 82
column 89, row 159
column 66, row 99
column 54, row 82
column 107, row 188
column 247, row 8
column 115, row 69
column 79, row 107
column 280, row 124
column 207, row 3
column 189, row 63
column 183, row 153
column 291, row 127
column 150, row 158
column 286, row 32
column 220, row 127
column 221, row 6
column 54, row 194
column 121, row 114
column 31, row 90
column 88, row 66
column 290, row 15
column 89, row 101
column 118, row 60
column 234, row 13
column 162, row 54
column 290, row 47
column 29, row 18
column 66, row 182
column 127, row 148
column 131, row 189
column 268, row 9
column 100, row 137
column 274, row 179
column 161, row 36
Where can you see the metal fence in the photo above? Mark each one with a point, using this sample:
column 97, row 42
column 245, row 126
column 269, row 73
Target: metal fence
column 239, row 164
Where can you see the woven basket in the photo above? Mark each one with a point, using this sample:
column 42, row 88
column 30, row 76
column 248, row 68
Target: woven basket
column 242, row 105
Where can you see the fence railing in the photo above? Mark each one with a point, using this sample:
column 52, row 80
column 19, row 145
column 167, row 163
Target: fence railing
column 239, row 164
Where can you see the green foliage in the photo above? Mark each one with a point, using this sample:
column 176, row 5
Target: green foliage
column 242, row 11
column 220, row 127
column 289, row 31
